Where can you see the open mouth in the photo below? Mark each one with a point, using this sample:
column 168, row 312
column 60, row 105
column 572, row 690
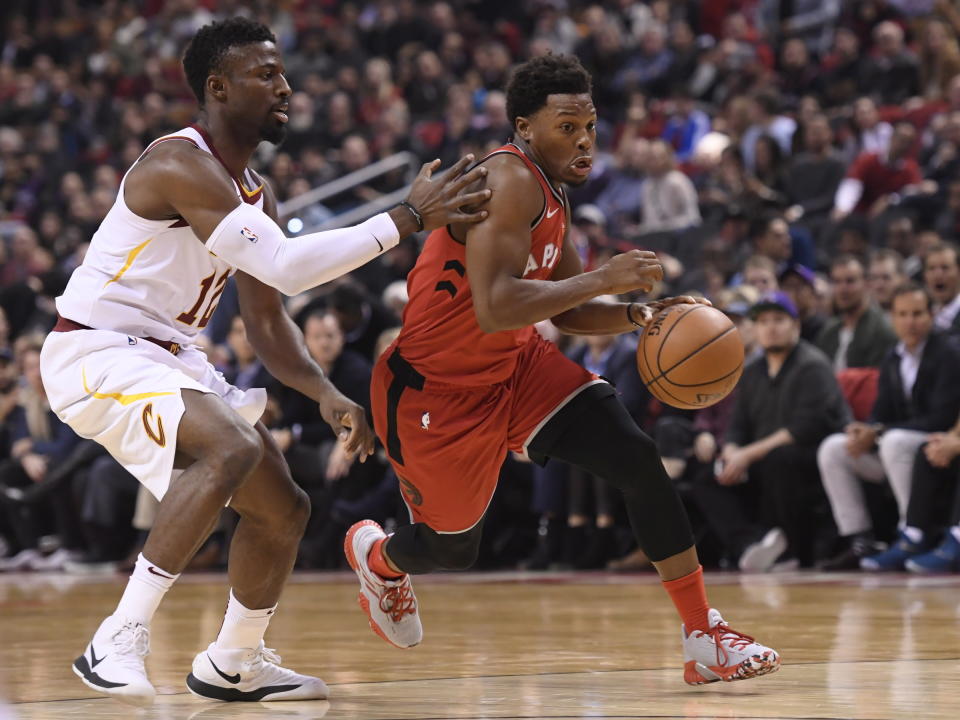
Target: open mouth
column 582, row 165
column 280, row 113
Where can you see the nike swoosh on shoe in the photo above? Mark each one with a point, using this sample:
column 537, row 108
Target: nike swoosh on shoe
column 232, row 679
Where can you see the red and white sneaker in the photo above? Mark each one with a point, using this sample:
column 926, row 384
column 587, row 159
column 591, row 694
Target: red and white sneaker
column 390, row 605
column 722, row 653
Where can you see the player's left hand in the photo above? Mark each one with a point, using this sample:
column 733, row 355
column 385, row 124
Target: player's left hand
column 349, row 422
column 645, row 312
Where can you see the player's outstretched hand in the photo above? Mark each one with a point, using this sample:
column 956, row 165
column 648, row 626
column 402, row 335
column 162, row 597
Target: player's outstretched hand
column 645, row 312
column 441, row 200
column 633, row 270
column 349, row 422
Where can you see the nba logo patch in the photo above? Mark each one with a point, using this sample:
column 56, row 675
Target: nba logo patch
column 249, row 234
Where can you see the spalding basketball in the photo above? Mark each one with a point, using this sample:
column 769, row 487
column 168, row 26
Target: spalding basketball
column 690, row 356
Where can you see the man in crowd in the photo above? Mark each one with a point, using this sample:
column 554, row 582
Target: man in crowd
column 858, row 336
column 788, row 400
column 919, row 393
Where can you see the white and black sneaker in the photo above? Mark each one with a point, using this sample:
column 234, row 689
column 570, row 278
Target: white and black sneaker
column 251, row 676
column 113, row 661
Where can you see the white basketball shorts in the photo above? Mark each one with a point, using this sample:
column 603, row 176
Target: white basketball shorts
column 124, row 392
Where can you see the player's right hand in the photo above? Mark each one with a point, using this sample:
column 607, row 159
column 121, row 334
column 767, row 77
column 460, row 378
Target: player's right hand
column 633, row 270
column 439, row 200
column 349, row 422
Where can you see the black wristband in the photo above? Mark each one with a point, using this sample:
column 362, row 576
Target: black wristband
column 630, row 317
column 416, row 214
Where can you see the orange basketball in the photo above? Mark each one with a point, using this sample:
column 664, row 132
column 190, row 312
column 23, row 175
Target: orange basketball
column 690, row 356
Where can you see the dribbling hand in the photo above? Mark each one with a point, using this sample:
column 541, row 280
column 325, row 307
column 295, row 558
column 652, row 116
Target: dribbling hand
column 441, row 201
column 633, row 270
column 645, row 312
column 349, row 422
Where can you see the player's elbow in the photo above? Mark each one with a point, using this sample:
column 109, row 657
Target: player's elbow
column 487, row 319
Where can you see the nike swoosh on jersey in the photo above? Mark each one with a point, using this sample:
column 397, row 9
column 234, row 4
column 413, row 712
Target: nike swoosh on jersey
column 551, row 214
column 119, row 397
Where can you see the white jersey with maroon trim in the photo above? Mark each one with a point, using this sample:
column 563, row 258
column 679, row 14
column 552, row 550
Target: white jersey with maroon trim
column 152, row 278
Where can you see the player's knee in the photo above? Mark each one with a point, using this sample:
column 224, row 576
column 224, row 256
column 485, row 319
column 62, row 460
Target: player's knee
column 300, row 512
column 239, row 454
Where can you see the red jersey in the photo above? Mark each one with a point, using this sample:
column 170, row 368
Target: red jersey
column 440, row 335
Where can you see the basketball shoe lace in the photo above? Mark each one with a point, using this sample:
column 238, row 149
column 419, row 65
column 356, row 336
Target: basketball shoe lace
column 398, row 601
column 261, row 656
column 723, row 633
column 131, row 644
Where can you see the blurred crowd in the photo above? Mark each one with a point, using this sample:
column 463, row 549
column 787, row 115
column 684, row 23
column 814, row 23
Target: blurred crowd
column 796, row 162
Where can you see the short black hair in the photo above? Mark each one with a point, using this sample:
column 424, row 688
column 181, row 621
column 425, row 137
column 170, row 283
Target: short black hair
column 909, row 288
column 845, row 259
column 212, row 42
column 536, row 79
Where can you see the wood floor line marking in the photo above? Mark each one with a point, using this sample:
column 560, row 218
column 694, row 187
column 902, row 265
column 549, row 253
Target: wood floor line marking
column 805, row 663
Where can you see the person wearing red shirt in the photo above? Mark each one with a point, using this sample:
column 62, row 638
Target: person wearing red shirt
column 876, row 179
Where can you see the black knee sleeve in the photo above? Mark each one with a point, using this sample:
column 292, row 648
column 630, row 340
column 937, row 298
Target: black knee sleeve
column 417, row 549
column 599, row 436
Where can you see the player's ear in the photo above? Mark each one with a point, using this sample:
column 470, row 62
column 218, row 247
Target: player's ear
column 216, row 87
column 524, row 129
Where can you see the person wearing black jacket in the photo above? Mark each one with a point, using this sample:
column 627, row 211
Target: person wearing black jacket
column 788, row 400
column 918, row 394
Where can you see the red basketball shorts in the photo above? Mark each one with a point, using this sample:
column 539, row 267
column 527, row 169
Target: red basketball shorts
column 447, row 442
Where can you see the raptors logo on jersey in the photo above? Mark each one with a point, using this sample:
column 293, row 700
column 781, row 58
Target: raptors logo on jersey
column 153, row 278
column 440, row 335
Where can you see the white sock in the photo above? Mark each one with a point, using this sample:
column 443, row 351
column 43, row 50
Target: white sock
column 914, row 534
column 243, row 627
column 145, row 589
column 955, row 531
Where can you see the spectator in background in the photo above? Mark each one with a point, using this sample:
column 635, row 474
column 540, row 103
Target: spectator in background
column 812, row 177
column 787, row 401
column 766, row 119
column 884, row 275
column 800, row 284
column 871, row 134
column 245, row 369
column 918, row 393
column 771, row 238
column 858, row 336
column 876, row 179
column 686, row 125
column 361, row 316
column 760, row 273
column 40, row 445
column 648, row 67
column 620, row 199
column 892, row 74
column 668, row 198
column 941, row 275
column 842, row 68
column 936, row 471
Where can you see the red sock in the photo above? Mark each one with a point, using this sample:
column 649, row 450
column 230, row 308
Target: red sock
column 690, row 598
column 378, row 563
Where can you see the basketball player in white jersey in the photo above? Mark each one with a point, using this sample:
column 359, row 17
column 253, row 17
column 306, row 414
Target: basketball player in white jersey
column 121, row 366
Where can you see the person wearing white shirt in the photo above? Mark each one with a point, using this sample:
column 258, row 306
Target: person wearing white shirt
column 917, row 394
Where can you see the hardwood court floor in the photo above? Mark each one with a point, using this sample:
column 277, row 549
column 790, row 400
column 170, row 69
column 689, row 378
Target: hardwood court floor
column 519, row 646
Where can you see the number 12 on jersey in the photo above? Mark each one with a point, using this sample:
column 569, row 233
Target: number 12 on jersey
column 190, row 316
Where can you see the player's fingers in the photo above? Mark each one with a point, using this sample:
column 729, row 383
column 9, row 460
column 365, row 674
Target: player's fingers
column 472, row 199
column 428, row 169
column 458, row 167
column 463, row 217
column 456, row 184
column 643, row 254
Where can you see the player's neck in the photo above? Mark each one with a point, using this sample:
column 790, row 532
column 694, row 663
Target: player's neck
column 532, row 154
column 234, row 151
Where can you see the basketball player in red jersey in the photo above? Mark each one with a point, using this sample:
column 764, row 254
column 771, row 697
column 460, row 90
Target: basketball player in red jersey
column 469, row 379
